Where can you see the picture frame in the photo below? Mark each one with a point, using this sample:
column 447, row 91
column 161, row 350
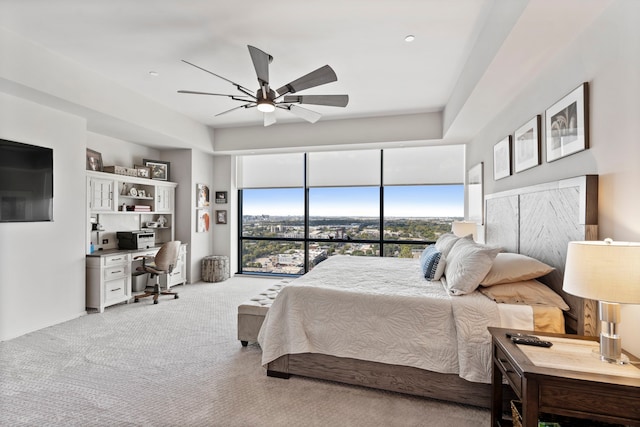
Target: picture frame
column 221, row 217
column 202, row 195
column 142, row 193
column 159, row 169
column 567, row 124
column 502, row 159
column 203, row 221
column 526, row 140
column 143, row 171
column 475, row 193
column 94, row 160
column 221, row 197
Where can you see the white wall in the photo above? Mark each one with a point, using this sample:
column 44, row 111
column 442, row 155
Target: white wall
column 42, row 263
column 225, row 235
column 608, row 57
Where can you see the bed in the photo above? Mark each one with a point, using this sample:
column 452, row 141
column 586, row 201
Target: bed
column 451, row 361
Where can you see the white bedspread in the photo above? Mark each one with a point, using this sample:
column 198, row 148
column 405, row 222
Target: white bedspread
column 385, row 312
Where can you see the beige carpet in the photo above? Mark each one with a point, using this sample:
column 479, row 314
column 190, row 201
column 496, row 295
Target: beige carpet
column 178, row 363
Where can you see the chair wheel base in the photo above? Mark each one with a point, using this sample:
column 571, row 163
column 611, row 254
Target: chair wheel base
column 136, row 300
column 176, row 296
column 155, row 301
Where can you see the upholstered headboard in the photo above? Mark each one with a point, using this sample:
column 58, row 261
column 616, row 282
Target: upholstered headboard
column 540, row 221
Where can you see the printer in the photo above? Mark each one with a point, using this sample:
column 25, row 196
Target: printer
column 136, row 239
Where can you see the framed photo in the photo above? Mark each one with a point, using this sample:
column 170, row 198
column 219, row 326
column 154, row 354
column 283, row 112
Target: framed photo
column 94, row 160
column 502, row 159
column 221, row 197
column 475, row 193
column 526, row 150
column 203, row 221
column 567, row 124
column 159, row 169
column 202, row 195
column 142, row 193
column 221, row 217
column 143, row 171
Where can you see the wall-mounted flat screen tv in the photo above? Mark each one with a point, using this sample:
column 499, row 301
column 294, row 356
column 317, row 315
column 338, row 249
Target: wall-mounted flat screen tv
column 26, row 182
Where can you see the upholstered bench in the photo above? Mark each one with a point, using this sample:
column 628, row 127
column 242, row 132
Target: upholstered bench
column 251, row 313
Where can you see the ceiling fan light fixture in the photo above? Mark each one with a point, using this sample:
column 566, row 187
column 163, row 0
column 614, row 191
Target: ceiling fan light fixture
column 266, row 106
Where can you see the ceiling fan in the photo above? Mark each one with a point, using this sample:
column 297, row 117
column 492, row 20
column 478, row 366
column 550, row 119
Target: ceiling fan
column 267, row 100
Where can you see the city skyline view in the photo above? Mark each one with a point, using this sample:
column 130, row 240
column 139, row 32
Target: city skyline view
column 425, row 201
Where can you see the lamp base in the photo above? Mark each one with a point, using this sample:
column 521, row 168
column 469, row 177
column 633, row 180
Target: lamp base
column 610, row 341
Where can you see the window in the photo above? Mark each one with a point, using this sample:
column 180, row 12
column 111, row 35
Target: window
column 357, row 203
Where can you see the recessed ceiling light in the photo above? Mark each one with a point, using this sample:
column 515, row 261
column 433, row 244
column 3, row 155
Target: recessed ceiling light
column 154, row 73
column 409, row 38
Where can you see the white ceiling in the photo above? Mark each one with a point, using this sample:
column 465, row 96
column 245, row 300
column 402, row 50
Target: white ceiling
column 453, row 55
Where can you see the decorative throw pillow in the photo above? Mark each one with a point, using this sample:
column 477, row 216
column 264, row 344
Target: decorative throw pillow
column 510, row 267
column 432, row 263
column 530, row 292
column 446, row 241
column 467, row 264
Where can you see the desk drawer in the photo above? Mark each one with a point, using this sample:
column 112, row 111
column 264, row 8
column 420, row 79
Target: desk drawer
column 115, row 289
column 514, row 378
column 115, row 272
column 112, row 260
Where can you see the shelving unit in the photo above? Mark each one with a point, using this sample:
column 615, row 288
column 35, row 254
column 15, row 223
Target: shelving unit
column 108, row 269
column 107, row 196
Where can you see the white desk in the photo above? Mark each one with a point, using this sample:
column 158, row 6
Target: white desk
column 108, row 275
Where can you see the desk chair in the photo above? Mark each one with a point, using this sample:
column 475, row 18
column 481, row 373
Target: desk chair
column 163, row 263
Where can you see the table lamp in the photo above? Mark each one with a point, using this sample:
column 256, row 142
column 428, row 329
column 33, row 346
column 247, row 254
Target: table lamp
column 464, row 228
column 608, row 272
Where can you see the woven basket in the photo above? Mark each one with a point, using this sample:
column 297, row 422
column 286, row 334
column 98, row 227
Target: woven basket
column 516, row 408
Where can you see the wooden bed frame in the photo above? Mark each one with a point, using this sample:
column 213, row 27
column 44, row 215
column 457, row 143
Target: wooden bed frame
column 538, row 221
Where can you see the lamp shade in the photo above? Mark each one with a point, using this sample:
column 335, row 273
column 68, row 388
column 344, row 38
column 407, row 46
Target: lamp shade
column 603, row 271
column 464, row 228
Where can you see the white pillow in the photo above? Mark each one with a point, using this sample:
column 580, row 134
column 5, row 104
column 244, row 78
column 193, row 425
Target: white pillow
column 467, row 265
column 510, row 267
column 446, row 241
column 530, row 292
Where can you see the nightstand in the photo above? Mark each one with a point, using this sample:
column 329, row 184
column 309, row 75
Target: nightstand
column 566, row 379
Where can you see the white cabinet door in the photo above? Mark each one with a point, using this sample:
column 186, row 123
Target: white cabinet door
column 101, row 194
column 164, row 199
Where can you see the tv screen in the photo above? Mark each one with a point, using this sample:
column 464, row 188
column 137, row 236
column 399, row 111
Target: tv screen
column 26, row 182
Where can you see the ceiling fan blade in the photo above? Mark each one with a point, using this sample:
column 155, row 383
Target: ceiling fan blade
column 315, row 78
column 269, row 119
column 195, row 92
column 261, row 61
column 303, row 113
column 234, row 108
column 330, row 100
column 240, row 87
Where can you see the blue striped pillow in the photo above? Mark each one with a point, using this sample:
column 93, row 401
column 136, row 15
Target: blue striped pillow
column 432, row 263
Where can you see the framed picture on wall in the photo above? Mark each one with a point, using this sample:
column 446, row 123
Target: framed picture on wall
column 526, row 151
column 567, row 124
column 202, row 195
column 221, row 197
column 159, row 169
column 94, row 160
column 475, row 193
column 203, row 221
column 221, row 217
column 502, row 159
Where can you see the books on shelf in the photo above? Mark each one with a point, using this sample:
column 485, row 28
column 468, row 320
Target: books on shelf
column 138, row 208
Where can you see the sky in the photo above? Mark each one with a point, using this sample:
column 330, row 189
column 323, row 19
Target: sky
column 400, row 201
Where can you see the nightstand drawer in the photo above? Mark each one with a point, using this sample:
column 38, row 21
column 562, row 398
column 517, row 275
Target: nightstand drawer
column 514, row 378
column 576, row 399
